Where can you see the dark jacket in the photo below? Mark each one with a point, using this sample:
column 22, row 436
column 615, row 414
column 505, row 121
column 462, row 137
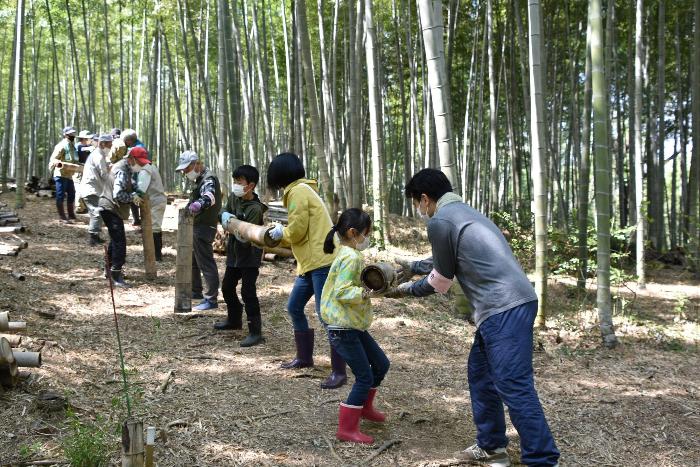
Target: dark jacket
column 207, row 191
column 242, row 254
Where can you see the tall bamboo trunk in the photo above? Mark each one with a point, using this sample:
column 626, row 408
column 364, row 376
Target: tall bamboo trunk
column 694, row 178
column 492, row 205
column 584, row 170
column 20, row 175
column 640, row 211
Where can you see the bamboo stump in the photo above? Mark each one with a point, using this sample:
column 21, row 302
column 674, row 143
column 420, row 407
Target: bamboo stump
column 183, row 262
column 7, row 325
column 378, row 277
column 132, row 444
column 149, row 249
column 9, row 373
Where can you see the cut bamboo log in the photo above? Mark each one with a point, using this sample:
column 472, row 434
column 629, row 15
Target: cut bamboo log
column 14, row 240
column 7, row 325
column 378, row 276
column 18, row 275
column 14, row 339
column 149, row 249
column 68, row 168
column 6, row 214
column 9, row 250
column 27, row 359
column 9, row 220
column 183, row 263
column 258, row 234
column 132, row 444
column 9, row 374
column 12, row 229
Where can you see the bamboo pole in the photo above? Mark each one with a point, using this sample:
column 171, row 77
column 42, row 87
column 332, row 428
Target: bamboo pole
column 183, row 263
column 132, row 444
column 70, row 169
column 27, row 359
column 7, row 325
column 149, row 249
column 257, row 234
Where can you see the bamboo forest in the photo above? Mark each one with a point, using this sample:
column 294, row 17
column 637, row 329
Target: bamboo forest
column 349, row 232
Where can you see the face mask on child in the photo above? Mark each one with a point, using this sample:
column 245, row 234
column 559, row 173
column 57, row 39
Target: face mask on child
column 363, row 245
column 238, row 190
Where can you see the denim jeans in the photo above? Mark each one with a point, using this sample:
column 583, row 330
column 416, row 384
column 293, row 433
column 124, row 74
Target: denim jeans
column 366, row 359
column 65, row 189
column 305, row 286
column 203, row 263
column 117, row 239
column 500, row 372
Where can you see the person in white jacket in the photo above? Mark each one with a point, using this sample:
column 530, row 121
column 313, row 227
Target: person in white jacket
column 149, row 182
column 95, row 173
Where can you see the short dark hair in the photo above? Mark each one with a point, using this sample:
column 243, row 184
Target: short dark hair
column 432, row 182
column 352, row 218
column 247, row 172
column 284, row 169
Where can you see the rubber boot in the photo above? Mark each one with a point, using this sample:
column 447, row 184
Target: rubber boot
column 95, row 239
column 254, row 336
column 61, row 212
column 118, row 279
column 349, row 425
column 233, row 320
column 158, row 243
column 368, row 410
column 71, row 212
column 338, row 376
column 304, row 341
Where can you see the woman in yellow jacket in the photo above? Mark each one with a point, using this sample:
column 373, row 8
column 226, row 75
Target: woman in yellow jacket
column 308, row 224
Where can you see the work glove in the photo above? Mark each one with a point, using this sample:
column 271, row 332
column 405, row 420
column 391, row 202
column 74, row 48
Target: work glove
column 276, row 232
column 136, row 199
column 194, row 207
column 225, row 217
column 403, row 272
column 369, row 293
column 402, row 290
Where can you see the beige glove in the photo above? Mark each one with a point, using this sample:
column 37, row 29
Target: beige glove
column 403, row 272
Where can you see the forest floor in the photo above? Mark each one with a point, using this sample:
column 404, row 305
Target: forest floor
column 637, row 405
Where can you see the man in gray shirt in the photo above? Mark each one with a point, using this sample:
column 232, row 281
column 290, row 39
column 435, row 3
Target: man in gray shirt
column 467, row 246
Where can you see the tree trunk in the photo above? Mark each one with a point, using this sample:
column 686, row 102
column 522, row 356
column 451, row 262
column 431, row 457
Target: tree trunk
column 222, row 160
column 640, row 211
column 602, row 175
column 492, row 205
column 20, row 175
column 694, row 179
column 659, row 176
column 432, row 24
column 584, row 181
column 6, row 143
column 538, row 154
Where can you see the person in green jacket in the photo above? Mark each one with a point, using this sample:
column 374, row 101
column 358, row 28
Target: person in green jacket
column 307, row 226
column 242, row 257
column 346, row 309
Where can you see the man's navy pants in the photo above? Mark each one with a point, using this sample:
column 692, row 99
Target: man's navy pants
column 500, row 372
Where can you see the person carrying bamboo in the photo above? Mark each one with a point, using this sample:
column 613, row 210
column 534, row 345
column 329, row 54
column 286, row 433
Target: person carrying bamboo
column 64, row 151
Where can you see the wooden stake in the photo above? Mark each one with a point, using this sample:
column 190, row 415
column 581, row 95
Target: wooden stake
column 132, row 444
column 149, row 249
column 150, row 442
column 183, row 262
column 9, row 373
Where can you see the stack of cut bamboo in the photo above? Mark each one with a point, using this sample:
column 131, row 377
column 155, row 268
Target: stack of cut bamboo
column 10, row 243
column 11, row 358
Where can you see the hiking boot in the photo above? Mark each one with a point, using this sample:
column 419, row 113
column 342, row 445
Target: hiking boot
column 496, row 458
column 95, row 239
column 338, row 376
column 118, row 279
column 205, row 305
column 304, row 341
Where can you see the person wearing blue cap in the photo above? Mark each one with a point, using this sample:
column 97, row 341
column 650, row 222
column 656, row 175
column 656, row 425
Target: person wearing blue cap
column 64, row 151
column 204, row 205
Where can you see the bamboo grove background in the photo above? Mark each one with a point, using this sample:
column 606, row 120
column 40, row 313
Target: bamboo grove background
column 370, row 91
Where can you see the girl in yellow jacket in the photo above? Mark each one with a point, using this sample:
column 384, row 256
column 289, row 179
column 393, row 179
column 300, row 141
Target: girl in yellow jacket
column 346, row 309
column 308, row 223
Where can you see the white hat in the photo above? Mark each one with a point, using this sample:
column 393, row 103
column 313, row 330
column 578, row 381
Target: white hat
column 186, row 158
column 84, row 134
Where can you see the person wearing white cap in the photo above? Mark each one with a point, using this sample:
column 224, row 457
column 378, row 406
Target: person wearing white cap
column 95, row 174
column 204, row 205
column 64, row 151
column 149, row 182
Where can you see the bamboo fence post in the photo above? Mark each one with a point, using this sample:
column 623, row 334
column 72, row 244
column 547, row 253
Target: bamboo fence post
column 149, row 249
column 150, row 442
column 132, row 444
column 183, row 262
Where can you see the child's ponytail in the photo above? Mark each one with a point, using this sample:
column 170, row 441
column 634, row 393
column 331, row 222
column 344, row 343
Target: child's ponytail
column 329, row 244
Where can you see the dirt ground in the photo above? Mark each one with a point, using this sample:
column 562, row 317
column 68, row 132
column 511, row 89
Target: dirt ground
column 637, row 405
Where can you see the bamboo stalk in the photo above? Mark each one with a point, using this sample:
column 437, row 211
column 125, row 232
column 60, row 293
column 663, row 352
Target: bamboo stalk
column 149, row 249
column 257, row 234
column 69, row 168
column 7, row 325
column 183, row 263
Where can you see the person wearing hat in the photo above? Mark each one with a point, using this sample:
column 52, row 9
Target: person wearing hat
column 83, row 148
column 64, row 151
column 149, row 182
column 95, row 174
column 127, row 139
column 118, row 194
column 204, row 205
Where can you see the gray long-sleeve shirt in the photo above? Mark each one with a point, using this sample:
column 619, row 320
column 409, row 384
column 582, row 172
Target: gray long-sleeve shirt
column 468, row 245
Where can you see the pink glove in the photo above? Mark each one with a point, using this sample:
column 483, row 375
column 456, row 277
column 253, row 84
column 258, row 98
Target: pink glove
column 195, row 207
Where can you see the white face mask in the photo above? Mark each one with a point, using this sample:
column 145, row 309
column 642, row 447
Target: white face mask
column 238, row 190
column 363, row 245
column 136, row 168
column 104, row 151
column 192, row 175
